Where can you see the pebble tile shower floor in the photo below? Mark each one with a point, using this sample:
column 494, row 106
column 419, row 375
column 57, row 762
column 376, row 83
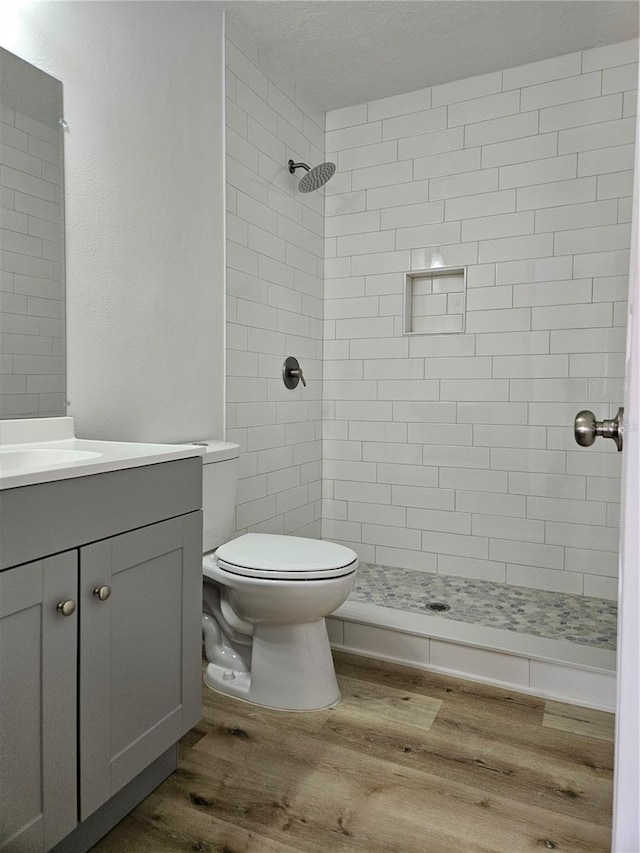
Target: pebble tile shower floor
column 554, row 615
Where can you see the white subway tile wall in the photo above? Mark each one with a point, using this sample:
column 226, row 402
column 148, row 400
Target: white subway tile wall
column 275, row 294
column 32, row 294
column 454, row 453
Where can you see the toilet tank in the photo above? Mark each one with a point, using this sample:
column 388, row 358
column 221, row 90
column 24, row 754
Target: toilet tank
column 219, row 482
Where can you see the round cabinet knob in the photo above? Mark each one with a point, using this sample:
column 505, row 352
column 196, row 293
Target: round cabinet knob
column 102, row 592
column 66, row 607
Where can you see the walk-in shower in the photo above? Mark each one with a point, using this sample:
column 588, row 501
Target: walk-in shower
column 443, row 453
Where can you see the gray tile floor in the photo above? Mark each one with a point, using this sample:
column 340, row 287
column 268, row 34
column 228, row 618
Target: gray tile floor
column 558, row 616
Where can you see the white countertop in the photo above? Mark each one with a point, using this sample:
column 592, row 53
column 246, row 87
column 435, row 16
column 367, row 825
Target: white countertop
column 41, row 450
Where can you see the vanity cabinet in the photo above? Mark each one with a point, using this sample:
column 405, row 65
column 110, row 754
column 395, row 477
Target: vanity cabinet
column 38, row 656
column 137, row 661
column 93, row 696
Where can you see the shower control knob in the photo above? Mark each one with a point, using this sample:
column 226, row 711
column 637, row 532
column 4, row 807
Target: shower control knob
column 299, row 375
column 586, row 428
column 292, row 373
column 102, row 593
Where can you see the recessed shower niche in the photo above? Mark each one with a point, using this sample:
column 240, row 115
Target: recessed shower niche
column 435, row 301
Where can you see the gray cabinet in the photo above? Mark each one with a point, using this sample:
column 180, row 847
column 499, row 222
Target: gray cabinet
column 38, row 654
column 139, row 655
column 92, row 703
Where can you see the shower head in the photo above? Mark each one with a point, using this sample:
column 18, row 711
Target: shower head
column 315, row 178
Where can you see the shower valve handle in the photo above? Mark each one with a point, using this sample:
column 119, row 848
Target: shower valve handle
column 299, row 374
column 292, row 373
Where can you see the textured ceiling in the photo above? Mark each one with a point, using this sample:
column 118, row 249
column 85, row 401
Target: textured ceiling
column 344, row 52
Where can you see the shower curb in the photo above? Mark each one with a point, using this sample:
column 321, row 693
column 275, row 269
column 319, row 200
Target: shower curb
column 550, row 669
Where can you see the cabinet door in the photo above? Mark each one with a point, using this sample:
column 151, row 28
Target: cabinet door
column 140, row 677
column 38, row 647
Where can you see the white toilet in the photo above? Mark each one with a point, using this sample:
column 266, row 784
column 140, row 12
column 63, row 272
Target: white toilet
column 265, row 597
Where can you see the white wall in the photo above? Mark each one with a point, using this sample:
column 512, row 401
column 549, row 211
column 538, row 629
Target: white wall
column 143, row 86
column 455, row 453
column 274, row 283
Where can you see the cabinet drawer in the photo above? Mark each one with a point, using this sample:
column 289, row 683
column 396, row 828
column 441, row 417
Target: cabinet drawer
column 44, row 519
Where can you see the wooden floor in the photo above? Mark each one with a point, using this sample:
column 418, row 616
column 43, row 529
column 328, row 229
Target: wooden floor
column 408, row 762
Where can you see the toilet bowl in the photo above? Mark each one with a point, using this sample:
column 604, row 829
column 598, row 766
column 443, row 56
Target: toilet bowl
column 268, row 595
column 265, row 598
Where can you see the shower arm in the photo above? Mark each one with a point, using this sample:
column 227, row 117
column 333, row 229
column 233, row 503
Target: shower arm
column 293, row 166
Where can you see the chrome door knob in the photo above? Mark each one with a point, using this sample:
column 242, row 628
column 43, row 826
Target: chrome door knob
column 586, row 428
column 66, row 607
column 102, row 592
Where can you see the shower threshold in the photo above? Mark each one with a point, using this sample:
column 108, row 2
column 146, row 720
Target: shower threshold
column 549, row 644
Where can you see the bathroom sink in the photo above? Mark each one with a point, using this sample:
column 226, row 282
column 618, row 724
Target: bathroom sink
column 41, row 450
column 13, row 460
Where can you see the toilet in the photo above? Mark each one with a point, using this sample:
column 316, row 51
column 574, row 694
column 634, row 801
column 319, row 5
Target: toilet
column 265, row 597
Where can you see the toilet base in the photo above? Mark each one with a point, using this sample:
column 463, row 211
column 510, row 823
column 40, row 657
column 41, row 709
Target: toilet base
column 291, row 670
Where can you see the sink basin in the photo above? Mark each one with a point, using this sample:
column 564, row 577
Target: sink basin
column 43, row 450
column 13, row 460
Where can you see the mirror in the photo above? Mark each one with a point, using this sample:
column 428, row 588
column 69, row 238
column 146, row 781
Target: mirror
column 32, row 273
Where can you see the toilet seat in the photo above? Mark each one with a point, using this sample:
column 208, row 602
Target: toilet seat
column 274, row 557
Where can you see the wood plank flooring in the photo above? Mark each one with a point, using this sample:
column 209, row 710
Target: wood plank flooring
column 408, row 762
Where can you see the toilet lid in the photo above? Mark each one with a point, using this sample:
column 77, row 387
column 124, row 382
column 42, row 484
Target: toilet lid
column 292, row 557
